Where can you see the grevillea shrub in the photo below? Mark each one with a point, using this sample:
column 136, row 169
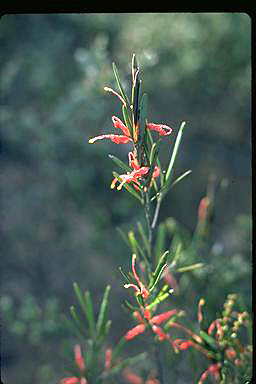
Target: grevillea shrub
column 151, row 280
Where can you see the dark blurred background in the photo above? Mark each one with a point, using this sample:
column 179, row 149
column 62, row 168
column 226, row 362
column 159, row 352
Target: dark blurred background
column 59, row 216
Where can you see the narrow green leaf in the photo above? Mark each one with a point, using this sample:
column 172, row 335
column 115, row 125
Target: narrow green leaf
column 143, row 116
column 160, row 239
column 77, row 320
column 105, row 331
column 71, row 326
column 117, row 349
column 208, row 339
column 89, row 313
column 130, row 361
column 134, row 67
column 102, row 318
column 178, row 252
column 125, row 275
column 135, row 246
column 129, row 306
column 144, row 238
column 157, row 277
column 158, row 271
column 120, row 163
column 158, row 300
column 190, row 267
column 169, row 171
column 123, row 236
column 133, row 242
column 181, row 177
column 119, row 84
column 127, row 119
column 79, row 296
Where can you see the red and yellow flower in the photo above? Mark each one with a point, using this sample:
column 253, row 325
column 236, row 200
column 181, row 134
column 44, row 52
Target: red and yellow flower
column 135, row 175
column 124, row 138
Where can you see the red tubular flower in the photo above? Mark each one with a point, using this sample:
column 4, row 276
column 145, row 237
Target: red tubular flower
column 108, row 358
column 162, row 129
column 160, row 333
column 213, row 369
column 163, row 317
column 133, row 161
column 230, row 353
column 137, row 173
column 183, row 344
column 140, row 289
column 132, row 378
column 135, row 331
column 216, row 324
column 203, row 208
column 79, row 358
column 80, row 362
column 130, row 177
column 70, row 380
column 117, row 139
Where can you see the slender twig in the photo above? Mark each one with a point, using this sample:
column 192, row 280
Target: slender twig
column 159, row 200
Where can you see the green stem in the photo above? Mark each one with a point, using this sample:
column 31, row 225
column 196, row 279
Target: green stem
column 151, row 228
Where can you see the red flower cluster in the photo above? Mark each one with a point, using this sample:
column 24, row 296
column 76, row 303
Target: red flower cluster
column 153, row 322
column 138, row 171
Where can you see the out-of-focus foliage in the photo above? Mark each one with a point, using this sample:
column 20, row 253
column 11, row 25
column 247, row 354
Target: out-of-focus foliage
column 58, row 212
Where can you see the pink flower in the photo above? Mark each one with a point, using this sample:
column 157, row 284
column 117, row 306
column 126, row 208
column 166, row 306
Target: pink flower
column 135, row 331
column 80, row 362
column 140, row 288
column 130, row 177
column 203, row 209
column 70, row 380
column 133, row 378
column 117, row 139
column 183, row 344
column 79, row 358
column 160, row 333
column 108, row 358
column 216, row 324
column 163, row 317
column 162, row 129
column 137, row 173
column 154, row 321
column 213, row 369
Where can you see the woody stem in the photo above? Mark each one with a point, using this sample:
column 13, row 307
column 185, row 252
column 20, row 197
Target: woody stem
column 147, row 215
column 156, row 213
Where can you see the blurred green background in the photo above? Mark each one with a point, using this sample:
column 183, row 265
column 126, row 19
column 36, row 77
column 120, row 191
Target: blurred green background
column 59, row 216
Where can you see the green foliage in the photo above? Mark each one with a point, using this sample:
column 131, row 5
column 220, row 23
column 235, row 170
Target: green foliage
column 58, row 217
